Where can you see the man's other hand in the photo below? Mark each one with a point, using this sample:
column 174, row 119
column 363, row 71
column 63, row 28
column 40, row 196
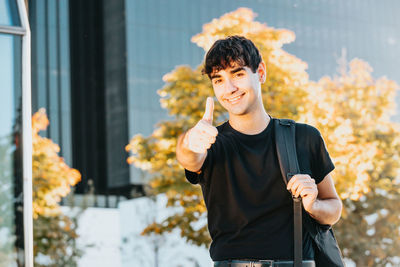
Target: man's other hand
column 302, row 185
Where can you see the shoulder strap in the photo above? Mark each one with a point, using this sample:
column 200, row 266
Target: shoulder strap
column 285, row 139
column 285, row 133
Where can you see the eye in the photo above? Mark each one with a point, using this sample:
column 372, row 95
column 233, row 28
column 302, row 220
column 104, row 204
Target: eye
column 239, row 74
column 217, row 81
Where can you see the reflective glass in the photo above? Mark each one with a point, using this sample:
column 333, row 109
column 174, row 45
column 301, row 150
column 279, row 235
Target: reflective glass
column 10, row 150
column 9, row 15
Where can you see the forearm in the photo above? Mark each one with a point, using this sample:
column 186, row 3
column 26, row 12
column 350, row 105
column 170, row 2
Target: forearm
column 326, row 211
column 188, row 159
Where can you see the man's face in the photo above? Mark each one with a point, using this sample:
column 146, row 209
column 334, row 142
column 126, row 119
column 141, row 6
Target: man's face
column 238, row 89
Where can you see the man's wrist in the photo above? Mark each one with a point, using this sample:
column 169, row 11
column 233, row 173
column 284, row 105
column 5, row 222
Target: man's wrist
column 325, row 211
column 314, row 209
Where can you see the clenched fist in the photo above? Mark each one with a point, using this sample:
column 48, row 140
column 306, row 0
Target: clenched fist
column 200, row 138
column 302, row 185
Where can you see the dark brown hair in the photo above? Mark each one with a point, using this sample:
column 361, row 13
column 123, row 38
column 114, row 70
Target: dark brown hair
column 233, row 49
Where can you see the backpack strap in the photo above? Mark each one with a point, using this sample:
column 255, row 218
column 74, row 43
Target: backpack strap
column 285, row 139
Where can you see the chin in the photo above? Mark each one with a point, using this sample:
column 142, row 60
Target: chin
column 238, row 112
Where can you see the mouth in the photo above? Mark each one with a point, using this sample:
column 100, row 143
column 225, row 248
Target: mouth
column 234, row 100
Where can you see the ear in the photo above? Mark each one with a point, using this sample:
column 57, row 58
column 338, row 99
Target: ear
column 262, row 72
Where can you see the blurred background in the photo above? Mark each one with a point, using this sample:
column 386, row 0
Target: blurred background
column 114, row 83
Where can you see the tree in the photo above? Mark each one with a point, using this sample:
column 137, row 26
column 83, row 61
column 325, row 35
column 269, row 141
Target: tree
column 54, row 233
column 352, row 111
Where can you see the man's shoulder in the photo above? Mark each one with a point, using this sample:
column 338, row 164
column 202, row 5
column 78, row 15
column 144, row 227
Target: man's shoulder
column 303, row 130
column 308, row 129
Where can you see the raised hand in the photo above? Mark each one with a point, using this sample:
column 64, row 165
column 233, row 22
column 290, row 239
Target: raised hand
column 200, row 138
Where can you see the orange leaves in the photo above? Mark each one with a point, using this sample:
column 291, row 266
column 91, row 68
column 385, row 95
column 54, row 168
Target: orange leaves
column 353, row 113
column 39, row 121
column 241, row 22
column 52, row 178
column 54, row 233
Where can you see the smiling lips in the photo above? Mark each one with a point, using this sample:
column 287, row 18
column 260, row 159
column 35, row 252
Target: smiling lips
column 234, row 100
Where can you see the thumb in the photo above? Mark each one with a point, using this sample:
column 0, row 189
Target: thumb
column 208, row 114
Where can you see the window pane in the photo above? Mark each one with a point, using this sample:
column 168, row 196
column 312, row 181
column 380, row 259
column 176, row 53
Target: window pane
column 10, row 150
column 9, row 13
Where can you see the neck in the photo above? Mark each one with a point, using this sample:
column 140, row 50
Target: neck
column 250, row 123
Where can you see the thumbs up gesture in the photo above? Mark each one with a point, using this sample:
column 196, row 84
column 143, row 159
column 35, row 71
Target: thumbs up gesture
column 200, row 138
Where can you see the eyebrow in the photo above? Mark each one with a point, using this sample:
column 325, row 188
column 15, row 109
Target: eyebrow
column 214, row 76
column 236, row 70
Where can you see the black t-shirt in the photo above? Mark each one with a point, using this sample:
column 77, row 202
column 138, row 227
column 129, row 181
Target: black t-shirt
column 250, row 212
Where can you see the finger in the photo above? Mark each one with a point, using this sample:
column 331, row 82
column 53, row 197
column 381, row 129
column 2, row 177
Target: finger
column 296, row 188
column 202, row 141
column 198, row 148
column 307, row 192
column 210, row 140
column 292, row 182
column 210, row 131
column 206, row 128
column 302, row 185
column 299, row 178
column 206, row 139
column 208, row 114
column 301, row 189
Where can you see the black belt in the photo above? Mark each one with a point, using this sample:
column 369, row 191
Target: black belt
column 260, row 263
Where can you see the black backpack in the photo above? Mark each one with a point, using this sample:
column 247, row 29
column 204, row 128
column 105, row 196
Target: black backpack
column 327, row 252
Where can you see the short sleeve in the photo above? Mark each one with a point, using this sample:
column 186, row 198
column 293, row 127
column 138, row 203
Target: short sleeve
column 192, row 177
column 321, row 162
column 196, row 178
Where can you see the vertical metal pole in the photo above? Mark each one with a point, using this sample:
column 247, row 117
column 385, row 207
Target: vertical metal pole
column 26, row 134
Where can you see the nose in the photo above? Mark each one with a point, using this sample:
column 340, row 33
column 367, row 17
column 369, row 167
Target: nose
column 230, row 87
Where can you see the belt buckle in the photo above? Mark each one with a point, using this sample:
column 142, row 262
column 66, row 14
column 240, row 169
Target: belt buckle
column 269, row 262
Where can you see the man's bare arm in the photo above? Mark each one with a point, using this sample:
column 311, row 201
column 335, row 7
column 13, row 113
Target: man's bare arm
column 327, row 208
column 320, row 201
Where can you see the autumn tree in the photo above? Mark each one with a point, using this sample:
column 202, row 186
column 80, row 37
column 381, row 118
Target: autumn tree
column 54, row 232
column 352, row 111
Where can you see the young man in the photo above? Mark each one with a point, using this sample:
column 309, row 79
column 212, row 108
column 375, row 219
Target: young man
column 250, row 211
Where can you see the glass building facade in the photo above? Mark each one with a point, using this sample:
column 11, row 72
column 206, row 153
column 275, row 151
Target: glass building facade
column 10, row 149
column 97, row 65
column 13, row 138
column 51, row 87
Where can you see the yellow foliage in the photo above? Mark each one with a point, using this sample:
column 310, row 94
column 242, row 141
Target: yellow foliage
column 241, row 22
column 353, row 114
column 52, row 178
